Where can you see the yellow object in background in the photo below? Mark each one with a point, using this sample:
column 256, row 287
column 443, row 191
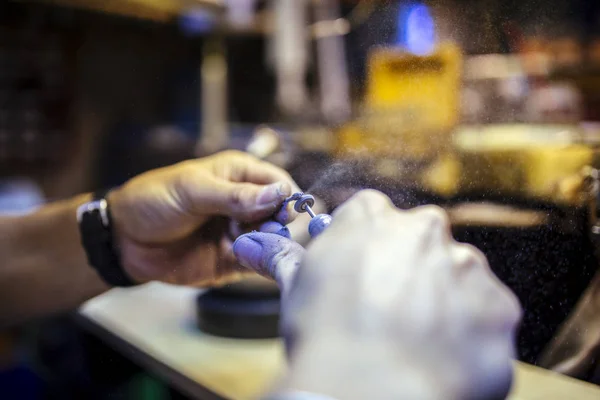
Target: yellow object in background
column 426, row 88
column 443, row 175
column 548, row 167
column 545, row 173
column 411, row 105
column 530, row 161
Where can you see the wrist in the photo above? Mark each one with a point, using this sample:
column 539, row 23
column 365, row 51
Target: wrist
column 99, row 239
column 124, row 246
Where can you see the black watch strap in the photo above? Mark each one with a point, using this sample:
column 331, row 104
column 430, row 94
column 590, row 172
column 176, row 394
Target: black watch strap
column 95, row 227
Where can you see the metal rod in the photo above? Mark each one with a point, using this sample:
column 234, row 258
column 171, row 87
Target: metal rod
column 214, row 129
column 331, row 60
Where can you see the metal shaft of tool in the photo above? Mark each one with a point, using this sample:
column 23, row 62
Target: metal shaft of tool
column 309, row 211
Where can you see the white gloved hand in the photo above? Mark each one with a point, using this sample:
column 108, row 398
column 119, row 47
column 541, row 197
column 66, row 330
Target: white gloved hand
column 386, row 305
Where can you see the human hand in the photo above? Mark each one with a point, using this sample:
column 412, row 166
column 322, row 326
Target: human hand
column 174, row 224
column 385, row 304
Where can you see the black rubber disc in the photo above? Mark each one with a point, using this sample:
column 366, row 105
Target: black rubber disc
column 232, row 314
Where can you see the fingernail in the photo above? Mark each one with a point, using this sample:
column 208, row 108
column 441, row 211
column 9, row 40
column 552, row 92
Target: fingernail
column 275, row 192
column 248, row 252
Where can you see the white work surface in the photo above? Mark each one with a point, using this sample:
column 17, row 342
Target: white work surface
column 154, row 326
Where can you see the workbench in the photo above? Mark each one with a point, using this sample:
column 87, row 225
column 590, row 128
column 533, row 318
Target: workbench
column 154, row 326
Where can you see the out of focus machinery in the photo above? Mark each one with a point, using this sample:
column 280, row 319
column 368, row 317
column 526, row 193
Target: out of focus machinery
column 514, row 175
column 411, row 115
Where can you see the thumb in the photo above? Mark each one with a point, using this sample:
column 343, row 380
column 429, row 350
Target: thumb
column 270, row 255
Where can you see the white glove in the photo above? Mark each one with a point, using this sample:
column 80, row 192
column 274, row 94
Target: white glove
column 386, row 305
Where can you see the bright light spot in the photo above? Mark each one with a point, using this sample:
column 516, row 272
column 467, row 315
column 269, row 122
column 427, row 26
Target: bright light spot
column 416, row 29
column 196, row 22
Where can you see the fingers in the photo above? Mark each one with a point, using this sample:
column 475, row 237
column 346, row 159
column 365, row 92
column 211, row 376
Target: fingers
column 435, row 220
column 494, row 305
column 238, row 185
column 238, row 166
column 366, row 203
column 286, row 213
column 243, row 167
column 270, row 255
column 245, row 202
column 261, row 172
column 420, row 237
column 298, row 223
column 276, row 228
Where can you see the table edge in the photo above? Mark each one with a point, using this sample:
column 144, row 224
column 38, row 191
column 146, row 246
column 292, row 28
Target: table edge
column 174, row 378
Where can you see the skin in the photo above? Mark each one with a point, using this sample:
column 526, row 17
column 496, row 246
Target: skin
column 362, row 315
column 385, row 304
column 172, row 232
column 172, row 224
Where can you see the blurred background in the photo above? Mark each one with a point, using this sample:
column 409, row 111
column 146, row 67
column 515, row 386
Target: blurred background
column 455, row 102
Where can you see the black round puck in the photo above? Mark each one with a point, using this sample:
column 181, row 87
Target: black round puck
column 222, row 313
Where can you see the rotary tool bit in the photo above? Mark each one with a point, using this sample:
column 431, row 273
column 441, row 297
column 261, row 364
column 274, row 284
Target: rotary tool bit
column 304, row 203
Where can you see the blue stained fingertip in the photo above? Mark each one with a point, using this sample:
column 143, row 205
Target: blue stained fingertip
column 276, row 228
column 318, row 224
column 248, row 252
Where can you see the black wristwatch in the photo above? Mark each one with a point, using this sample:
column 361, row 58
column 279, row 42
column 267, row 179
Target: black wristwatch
column 95, row 227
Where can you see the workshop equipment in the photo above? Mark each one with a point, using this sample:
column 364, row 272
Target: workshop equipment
column 290, row 56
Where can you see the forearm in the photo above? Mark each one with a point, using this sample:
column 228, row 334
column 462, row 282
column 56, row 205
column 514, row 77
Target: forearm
column 43, row 268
